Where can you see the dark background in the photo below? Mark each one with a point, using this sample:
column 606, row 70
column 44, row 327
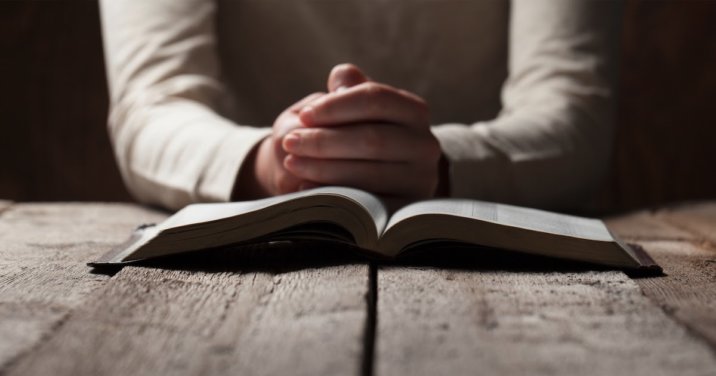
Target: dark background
column 53, row 105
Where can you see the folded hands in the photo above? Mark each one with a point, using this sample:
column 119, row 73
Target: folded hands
column 361, row 134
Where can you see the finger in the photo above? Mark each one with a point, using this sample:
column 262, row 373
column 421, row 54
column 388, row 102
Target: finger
column 289, row 120
column 383, row 142
column 367, row 102
column 399, row 179
column 306, row 100
column 343, row 76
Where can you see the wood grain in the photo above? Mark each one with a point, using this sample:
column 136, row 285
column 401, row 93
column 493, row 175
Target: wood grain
column 304, row 321
column 644, row 225
column 458, row 322
column 58, row 318
column 696, row 218
column 301, row 313
column 43, row 277
column 689, row 291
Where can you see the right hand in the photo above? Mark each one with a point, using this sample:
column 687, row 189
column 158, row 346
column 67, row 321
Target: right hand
column 366, row 135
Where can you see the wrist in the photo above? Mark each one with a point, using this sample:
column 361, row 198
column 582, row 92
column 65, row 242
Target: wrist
column 250, row 183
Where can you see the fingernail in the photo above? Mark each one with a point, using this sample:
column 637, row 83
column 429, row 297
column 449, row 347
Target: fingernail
column 341, row 88
column 292, row 141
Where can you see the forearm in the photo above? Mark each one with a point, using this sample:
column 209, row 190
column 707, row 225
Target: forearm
column 179, row 152
column 526, row 160
column 550, row 144
column 172, row 144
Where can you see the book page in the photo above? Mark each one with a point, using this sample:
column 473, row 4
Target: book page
column 507, row 215
column 200, row 213
column 369, row 202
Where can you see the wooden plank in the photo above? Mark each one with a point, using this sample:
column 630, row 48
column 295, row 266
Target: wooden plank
column 460, row 322
column 43, row 277
column 643, row 225
column 699, row 219
column 689, row 291
column 299, row 320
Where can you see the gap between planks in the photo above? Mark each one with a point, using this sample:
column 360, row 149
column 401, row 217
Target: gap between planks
column 688, row 292
column 371, row 324
column 369, row 335
column 438, row 321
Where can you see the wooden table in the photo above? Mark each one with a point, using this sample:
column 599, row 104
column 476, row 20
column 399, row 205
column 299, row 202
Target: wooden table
column 338, row 316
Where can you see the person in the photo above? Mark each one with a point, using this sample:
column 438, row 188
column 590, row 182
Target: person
column 493, row 100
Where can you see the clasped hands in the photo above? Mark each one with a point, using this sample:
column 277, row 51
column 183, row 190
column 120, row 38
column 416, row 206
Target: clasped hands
column 361, row 134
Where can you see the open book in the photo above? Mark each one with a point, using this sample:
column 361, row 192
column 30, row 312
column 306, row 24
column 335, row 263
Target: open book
column 358, row 218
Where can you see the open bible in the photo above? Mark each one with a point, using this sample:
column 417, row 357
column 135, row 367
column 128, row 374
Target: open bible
column 360, row 219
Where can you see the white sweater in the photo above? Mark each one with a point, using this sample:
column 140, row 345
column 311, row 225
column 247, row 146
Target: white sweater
column 520, row 92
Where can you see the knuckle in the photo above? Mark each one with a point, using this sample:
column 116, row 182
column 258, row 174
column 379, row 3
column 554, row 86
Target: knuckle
column 420, row 107
column 374, row 98
column 374, row 90
column 316, row 141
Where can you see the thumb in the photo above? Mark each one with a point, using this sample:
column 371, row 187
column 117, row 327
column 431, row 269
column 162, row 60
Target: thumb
column 343, row 76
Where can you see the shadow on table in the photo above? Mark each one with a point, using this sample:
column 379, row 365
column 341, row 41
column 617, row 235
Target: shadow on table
column 477, row 258
column 286, row 256
column 277, row 257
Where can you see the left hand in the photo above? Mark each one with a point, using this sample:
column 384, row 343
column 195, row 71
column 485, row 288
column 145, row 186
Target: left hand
column 366, row 135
